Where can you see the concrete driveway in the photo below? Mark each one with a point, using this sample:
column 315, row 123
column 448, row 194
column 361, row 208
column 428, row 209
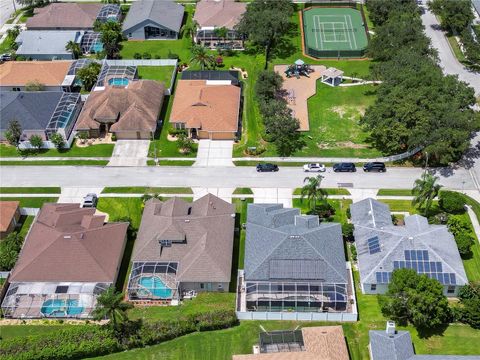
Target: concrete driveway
column 76, row 194
column 273, row 196
column 130, row 153
column 214, row 153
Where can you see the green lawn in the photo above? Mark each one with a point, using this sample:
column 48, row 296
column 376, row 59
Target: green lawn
column 394, row 192
column 101, row 150
column 340, row 207
column 55, row 162
column 243, row 191
column 10, row 331
column 147, row 190
column 159, row 73
column 456, row 48
column 122, row 207
column 30, row 190
column 330, row 191
column 171, row 162
column 33, row 202
column 26, row 223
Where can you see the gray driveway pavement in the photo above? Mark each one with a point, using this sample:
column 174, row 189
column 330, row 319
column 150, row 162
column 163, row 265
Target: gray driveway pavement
column 130, row 153
column 214, row 153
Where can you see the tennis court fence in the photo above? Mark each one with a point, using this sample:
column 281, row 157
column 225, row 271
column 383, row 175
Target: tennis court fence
column 335, row 53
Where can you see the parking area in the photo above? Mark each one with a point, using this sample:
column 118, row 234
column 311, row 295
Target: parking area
column 213, row 153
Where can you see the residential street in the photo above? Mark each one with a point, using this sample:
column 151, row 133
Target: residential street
column 6, row 9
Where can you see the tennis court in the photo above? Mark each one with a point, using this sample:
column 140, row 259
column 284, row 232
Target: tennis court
column 334, row 32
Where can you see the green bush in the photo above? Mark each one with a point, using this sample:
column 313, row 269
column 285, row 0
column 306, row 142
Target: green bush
column 464, row 243
column 458, row 225
column 146, row 55
column 353, row 250
column 347, row 231
column 451, row 202
column 137, row 56
column 176, row 132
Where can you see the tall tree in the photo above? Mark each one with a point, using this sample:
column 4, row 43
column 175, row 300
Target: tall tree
column 111, row 37
column 88, row 75
column 9, row 249
column 34, row 85
column 201, row 56
column 381, row 10
column 283, row 131
column 416, row 299
column 110, row 305
column 74, row 48
column 221, row 33
column 268, row 85
column 13, row 133
column 455, row 16
column 265, row 23
column 313, row 192
column 189, row 29
column 425, row 190
column 469, row 309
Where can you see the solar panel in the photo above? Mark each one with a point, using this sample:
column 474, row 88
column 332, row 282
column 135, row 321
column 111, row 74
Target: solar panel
column 373, row 245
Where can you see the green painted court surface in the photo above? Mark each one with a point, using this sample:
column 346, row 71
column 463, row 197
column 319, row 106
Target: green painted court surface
column 334, row 31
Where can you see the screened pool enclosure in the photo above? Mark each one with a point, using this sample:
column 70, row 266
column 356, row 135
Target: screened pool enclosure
column 153, row 281
column 51, row 300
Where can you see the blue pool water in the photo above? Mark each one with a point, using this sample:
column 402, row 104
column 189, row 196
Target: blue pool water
column 97, row 47
column 156, row 287
column 61, row 308
column 118, row 81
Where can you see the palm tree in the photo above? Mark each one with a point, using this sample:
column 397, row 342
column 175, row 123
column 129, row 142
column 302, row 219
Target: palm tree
column 313, row 192
column 110, row 305
column 425, row 190
column 201, row 57
column 189, row 29
column 221, row 33
column 74, row 48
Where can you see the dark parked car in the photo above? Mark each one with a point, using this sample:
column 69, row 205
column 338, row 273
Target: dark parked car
column 267, row 167
column 344, row 167
column 374, row 166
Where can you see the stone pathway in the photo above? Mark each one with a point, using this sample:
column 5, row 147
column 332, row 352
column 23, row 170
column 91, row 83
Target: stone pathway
column 213, row 153
column 474, row 220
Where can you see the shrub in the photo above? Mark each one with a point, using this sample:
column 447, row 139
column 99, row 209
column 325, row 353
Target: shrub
column 57, row 140
column 348, row 213
column 347, row 231
column 176, row 132
column 137, row 56
column 451, row 202
column 464, row 243
column 458, row 224
column 146, row 55
column 353, row 250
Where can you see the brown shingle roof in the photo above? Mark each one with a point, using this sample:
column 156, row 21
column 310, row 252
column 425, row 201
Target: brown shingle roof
column 7, row 212
column 68, row 243
column 65, row 16
column 206, row 256
column 206, row 107
column 321, row 343
column 19, row 73
column 137, row 107
column 223, row 13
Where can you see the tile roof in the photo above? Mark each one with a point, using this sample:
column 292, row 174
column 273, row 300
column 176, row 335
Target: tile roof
column 373, row 219
column 207, row 224
column 65, row 16
column 321, row 343
column 165, row 13
column 206, row 107
column 69, row 243
column 32, row 109
column 46, row 42
column 136, row 106
column 219, row 13
column 19, row 73
column 282, row 244
column 7, row 212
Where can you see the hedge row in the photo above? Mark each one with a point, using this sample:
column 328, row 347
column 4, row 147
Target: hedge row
column 91, row 340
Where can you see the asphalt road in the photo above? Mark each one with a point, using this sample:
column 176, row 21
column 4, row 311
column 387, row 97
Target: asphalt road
column 222, row 177
column 6, row 8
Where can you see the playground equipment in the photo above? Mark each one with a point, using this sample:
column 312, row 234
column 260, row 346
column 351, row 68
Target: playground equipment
column 298, row 69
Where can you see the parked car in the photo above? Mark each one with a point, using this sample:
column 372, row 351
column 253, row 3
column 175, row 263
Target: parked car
column 344, row 167
column 90, row 201
column 5, row 57
column 267, row 167
column 314, row 167
column 374, row 166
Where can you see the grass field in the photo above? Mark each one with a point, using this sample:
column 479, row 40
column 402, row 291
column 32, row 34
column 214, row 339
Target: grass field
column 25, row 224
column 33, row 202
column 30, row 190
column 146, row 190
column 55, row 163
column 122, row 207
column 330, row 191
column 394, row 192
column 158, row 73
column 101, row 150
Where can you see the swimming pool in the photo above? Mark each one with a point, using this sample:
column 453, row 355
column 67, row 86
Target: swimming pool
column 61, row 308
column 118, row 81
column 155, row 286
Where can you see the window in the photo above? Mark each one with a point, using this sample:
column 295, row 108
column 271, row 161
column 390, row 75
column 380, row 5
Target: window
column 16, row 89
column 202, row 285
column 129, row 34
column 451, row 290
column 220, row 286
column 373, row 287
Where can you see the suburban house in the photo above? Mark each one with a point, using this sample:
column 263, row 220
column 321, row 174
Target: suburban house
column 182, row 248
column 211, row 15
column 17, row 75
column 383, row 247
column 395, row 344
column 47, row 45
column 69, row 257
column 40, row 113
column 153, row 20
column 72, row 16
column 308, row 343
column 295, row 268
column 207, row 104
column 129, row 112
column 9, row 216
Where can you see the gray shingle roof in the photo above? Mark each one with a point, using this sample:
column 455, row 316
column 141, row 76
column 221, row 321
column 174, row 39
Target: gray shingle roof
column 46, row 42
column 282, row 244
column 372, row 219
column 166, row 13
column 32, row 109
column 399, row 347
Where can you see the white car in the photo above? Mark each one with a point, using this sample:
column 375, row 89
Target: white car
column 314, row 168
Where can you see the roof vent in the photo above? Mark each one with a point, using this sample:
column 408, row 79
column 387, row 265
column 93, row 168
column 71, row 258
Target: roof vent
column 187, row 220
column 67, row 237
column 410, row 238
column 232, row 215
column 390, row 330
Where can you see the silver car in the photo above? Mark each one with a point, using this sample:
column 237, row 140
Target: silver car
column 90, row 201
column 314, row 167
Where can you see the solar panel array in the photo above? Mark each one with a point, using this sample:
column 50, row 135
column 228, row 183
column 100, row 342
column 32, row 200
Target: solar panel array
column 418, row 260
column 117, row 71
column 109, row 12
column 91, row 42
column 373, row 245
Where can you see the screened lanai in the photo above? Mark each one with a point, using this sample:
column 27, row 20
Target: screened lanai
column 114, row 72
column 51, row 300
column 65, row 115
column 153, row 281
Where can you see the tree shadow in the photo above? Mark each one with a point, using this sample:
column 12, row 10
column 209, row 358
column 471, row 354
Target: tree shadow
column 470, row 156
column 425, row 333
